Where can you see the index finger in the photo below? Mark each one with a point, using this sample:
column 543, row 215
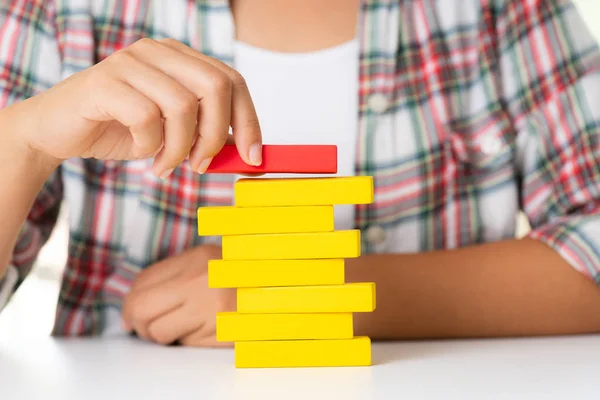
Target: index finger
column 244, row 122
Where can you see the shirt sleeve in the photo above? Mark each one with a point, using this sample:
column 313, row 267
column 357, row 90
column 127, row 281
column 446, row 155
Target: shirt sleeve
column 550, row 78
column 29, row 64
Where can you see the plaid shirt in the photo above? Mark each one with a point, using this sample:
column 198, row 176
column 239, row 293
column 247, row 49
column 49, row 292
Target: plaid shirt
column 469, row 111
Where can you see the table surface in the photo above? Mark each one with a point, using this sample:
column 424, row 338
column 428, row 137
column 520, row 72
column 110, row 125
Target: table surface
column 36, row 366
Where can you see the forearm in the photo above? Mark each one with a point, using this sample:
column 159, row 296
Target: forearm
column 511, row 288
column 23, row 174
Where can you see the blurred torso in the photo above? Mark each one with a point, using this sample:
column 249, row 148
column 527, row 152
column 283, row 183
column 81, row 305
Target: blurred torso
column 444, row 172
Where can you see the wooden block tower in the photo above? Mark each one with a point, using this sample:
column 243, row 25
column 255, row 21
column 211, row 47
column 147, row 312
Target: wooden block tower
column 286, row 261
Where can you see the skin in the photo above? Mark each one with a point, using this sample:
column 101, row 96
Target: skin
column 509, row 288
column 170, row 301
column 290, row 26
column 156, row 99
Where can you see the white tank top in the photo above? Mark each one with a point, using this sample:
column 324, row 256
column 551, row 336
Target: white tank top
column 307, row 98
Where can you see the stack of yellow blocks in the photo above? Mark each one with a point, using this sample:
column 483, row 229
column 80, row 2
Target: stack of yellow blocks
column 282, row 254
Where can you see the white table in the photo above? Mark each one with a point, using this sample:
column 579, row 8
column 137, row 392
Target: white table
column 35, row 366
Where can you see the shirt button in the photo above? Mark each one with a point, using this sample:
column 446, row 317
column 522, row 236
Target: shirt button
column 378, row 102
column 376, row 235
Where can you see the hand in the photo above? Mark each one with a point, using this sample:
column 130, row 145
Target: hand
column 170, row 301
column 152, row 99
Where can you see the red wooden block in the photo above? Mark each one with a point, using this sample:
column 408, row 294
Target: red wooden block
column 292, row 159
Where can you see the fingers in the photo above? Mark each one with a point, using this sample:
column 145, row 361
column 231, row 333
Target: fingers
column 140, row 308
column 189, row 265
column 178, row 310
column 208, row 144
column 243, row 120
column 178, row 107
column 205, row 335
column 209, row 84
column 159, row 273
column 174, row 325
column 184, row 106
column 131, row 108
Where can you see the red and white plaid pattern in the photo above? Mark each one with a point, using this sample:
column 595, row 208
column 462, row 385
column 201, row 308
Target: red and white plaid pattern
column 469, row 111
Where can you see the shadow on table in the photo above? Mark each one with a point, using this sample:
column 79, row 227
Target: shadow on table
column 398, row 351
column 389, row 352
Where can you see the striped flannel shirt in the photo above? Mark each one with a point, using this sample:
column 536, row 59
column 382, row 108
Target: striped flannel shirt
column 469, row 111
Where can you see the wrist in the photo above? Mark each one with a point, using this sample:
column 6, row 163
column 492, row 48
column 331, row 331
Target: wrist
column 16, row 122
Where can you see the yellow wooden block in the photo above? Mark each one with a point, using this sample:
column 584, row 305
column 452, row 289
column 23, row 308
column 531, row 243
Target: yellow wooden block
column 264, row 273
column 222, row 221
column 304, row 191
column 353, row 352
column 236, row 327
column 351, row 297
column 289, row 246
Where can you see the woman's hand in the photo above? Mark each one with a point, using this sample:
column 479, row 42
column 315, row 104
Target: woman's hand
column 152, row 99
column 170, row 301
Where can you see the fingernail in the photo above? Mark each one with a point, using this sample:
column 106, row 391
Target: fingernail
column 204, row 165
column 256, row 154
column 166, row 174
